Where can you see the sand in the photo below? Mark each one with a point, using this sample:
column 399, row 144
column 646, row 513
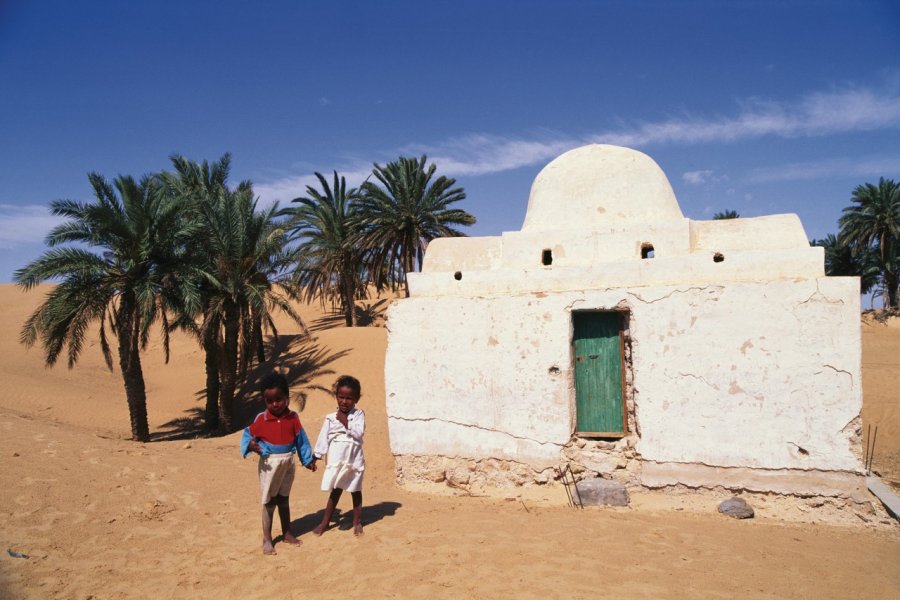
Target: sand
column 99, row 516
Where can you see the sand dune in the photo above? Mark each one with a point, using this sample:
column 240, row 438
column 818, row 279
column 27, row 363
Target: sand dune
column 102, row 517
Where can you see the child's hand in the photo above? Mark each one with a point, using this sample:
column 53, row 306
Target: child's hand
column 312, row 465
column 254, row 446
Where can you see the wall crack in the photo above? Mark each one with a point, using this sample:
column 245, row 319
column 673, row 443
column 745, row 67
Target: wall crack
column 473, row 426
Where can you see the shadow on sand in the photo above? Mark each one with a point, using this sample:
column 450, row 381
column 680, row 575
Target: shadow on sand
column 300, row 358
column 366, row 314
column 343, row 519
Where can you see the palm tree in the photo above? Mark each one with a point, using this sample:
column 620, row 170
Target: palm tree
column 727, row 214
column 197, row 185
column 840, row 261
column 331, row 257
column 400, row 218
column 129, row 285
column 247, row 279
column 873, row 222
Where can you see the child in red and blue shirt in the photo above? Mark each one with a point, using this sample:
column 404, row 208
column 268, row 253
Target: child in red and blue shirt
column 276, row 434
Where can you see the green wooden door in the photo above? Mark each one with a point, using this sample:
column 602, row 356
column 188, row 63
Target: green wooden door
column 598, row 372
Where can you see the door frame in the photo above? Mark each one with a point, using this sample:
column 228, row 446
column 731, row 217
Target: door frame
column 622, row 315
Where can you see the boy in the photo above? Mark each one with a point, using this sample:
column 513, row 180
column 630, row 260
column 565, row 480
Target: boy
column 276, row 434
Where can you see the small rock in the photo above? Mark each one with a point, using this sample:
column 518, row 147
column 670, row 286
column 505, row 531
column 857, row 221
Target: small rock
column 736, row 508
column 602, row 492
column 544, row 476
column 436, row 475
column 457, row 478
column 186, row 446
column 15, row 454
column 599, row 462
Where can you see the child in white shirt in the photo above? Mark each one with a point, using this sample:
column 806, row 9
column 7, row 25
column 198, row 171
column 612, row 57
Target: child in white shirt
column 340, row 440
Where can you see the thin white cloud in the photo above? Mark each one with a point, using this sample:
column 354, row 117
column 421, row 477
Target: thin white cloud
column 27, row 224
column 815, row 115
column 872, row 166
column 697, row 177
column 818, row 114
column 483, row 154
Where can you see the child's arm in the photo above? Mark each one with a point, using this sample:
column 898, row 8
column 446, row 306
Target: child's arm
column 304, row 450
column 248, row 443
column 357, row 426
column 321, row 448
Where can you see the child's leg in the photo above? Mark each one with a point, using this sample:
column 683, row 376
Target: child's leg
column 268, row 510
column 284, row 514
column 357, row 512
column 329, row 511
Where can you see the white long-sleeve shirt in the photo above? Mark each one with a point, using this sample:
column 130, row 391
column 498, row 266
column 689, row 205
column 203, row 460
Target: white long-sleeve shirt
column 331, row 428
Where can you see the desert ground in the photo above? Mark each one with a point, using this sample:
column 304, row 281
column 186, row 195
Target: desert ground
column 87, row 513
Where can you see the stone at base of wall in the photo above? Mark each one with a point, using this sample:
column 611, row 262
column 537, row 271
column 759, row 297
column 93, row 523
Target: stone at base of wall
column 783, row 481
column 465, row 472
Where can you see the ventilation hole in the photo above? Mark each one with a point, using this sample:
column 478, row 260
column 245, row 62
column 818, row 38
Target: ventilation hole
column 458, row 275
column 547, row 257
column 717, row 257
column 646, row 250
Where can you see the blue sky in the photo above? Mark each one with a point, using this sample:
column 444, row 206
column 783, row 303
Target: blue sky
column 761, row 107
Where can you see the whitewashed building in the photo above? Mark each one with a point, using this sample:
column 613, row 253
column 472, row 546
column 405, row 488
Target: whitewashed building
column 617, row 336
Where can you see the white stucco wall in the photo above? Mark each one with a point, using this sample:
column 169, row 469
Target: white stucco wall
column 737, row 375
column 743, row 354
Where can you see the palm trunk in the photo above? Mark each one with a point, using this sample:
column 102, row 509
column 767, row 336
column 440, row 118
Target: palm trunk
column 258, row 340
column 408, row 265
column 211, row 349
column 348, row 299
column 229, row 367
column 128, row 328
column 890, row 283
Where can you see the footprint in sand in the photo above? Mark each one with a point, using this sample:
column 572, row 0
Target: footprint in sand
column 191, row 499
column 33, row 480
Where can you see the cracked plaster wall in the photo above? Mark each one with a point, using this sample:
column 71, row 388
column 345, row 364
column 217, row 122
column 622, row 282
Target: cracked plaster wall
column 762, row 375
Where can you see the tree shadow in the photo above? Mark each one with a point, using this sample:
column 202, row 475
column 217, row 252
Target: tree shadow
column 367, row 314
column 190, row 427
column 343, row 519
column 300, row 359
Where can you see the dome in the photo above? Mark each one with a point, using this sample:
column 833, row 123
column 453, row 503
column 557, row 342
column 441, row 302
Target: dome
column 600, row 187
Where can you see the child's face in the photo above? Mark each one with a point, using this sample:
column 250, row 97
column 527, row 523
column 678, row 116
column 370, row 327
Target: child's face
column 276, row 401
column 346, row 399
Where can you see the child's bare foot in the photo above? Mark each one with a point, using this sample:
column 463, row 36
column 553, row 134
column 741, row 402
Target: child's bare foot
column 268, row 548
column 357, row 529
column 319, row 530
column 290, row 539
